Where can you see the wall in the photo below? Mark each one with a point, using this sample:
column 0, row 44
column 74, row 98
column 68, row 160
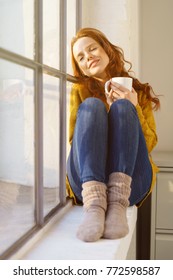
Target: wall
column 156, row 62
column 119, row 20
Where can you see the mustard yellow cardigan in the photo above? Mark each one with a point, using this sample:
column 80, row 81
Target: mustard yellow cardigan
column 145, row 113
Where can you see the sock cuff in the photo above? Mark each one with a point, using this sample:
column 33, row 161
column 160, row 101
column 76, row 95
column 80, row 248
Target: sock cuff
column 119, row 177
column 94, row 194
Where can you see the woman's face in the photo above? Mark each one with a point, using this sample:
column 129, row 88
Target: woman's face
column 91, row 58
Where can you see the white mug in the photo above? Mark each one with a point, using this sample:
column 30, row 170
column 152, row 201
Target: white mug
column 124, row 81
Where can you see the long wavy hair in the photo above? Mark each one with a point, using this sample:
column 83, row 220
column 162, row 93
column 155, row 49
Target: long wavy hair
column 116, row 67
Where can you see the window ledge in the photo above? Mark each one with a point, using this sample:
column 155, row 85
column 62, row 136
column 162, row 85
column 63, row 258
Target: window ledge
column 58, row 241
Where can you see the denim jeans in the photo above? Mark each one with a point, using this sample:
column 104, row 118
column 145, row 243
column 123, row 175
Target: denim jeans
column 106, row 142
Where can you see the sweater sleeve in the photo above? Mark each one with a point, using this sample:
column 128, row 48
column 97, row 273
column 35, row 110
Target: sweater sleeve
column 146, row 118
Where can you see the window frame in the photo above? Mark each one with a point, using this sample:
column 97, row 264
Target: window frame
column 39, row 69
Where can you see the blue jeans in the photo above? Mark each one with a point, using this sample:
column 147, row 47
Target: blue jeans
column 109, row 142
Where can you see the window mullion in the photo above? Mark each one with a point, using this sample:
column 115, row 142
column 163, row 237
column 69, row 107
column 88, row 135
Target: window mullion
column 39, row 113
column 62, row 152
column 78, row 14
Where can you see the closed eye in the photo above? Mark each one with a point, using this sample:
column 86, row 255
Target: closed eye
column 93, row 49
column 81, row 58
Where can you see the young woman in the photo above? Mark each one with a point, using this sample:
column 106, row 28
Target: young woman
column 111, row 135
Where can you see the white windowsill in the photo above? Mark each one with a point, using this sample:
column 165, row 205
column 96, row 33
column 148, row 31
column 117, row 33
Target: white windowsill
column 57, row 240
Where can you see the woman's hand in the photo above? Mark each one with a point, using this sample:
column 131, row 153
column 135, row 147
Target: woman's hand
column 118, row 91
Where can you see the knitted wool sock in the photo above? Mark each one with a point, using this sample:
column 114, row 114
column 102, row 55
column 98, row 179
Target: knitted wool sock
column 116, row 225
column 94, row 199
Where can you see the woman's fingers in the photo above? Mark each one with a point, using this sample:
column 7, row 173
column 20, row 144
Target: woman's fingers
column 117, row 87
column 119, row 94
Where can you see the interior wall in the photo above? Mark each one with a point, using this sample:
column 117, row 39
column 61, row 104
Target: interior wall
column 156, row 62
column 119, row 21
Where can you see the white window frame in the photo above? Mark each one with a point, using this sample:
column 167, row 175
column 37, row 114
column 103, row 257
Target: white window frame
column 36, row 64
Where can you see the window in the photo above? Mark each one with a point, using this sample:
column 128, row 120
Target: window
column 34, row 86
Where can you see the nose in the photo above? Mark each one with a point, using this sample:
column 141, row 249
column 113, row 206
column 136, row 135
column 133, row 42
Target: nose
column 89, row 56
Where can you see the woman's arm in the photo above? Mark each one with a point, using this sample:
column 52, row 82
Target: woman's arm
column 146, row 117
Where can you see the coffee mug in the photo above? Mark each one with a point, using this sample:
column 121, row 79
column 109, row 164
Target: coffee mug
column 124, row 81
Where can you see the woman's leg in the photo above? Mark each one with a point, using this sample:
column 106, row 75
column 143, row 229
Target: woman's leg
column 87, row 159
column 128, row 153
column 129, row 168
column 86, row 166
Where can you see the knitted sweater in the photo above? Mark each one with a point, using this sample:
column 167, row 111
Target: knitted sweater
column 145, row 113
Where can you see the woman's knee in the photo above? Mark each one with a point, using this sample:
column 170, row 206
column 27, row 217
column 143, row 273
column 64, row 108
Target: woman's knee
column 122, row 103
column 93, row 104
column 123, row 106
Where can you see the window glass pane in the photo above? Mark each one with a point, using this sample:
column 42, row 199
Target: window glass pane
column 51, row 128
column 51, row 31
column 17, row 26
column 16, row 152
column 68, row 91
column 71, row 30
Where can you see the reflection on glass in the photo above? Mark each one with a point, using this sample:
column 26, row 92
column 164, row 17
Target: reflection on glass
column 68, row 91
column 17, row 26
column 51, row 130
column 16, row 152
column 51, row 31
column 71, row 30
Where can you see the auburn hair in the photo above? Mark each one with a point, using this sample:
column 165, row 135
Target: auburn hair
column 115, row 68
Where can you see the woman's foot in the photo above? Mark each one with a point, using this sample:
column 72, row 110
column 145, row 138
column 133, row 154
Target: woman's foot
column 94, row 199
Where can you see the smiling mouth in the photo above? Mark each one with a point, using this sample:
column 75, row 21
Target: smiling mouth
column 94, row 63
